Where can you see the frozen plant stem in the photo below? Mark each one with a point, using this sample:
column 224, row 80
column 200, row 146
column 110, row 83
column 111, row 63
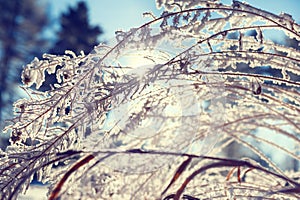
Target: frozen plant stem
column 152, row 116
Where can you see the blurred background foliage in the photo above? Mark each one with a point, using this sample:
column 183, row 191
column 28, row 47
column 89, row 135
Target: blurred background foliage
column 25, row 32
column 76, row 34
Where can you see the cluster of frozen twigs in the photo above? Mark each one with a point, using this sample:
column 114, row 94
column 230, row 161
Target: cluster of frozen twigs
column 148, row 117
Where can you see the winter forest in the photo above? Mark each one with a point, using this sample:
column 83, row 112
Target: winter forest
column 197, row 103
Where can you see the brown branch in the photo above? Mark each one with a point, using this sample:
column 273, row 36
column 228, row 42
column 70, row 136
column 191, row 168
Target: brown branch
column 55, row 193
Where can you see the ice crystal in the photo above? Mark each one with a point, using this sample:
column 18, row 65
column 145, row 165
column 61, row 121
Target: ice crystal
column 148, row 116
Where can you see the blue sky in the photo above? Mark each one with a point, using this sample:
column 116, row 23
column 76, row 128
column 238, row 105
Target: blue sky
column 114, row 15
column 111, row 15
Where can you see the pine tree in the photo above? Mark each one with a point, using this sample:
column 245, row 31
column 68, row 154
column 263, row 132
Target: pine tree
column 76, row 33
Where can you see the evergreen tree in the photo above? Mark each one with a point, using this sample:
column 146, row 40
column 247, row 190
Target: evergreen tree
column 76, row 33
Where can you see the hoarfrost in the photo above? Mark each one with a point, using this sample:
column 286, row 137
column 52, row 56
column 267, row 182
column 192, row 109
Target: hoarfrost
column 148, row 116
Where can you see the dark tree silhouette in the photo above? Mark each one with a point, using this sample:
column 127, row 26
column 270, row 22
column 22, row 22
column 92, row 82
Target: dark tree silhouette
column 76, row 33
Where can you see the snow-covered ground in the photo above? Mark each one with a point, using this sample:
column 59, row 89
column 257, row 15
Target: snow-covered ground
column 35, row 192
